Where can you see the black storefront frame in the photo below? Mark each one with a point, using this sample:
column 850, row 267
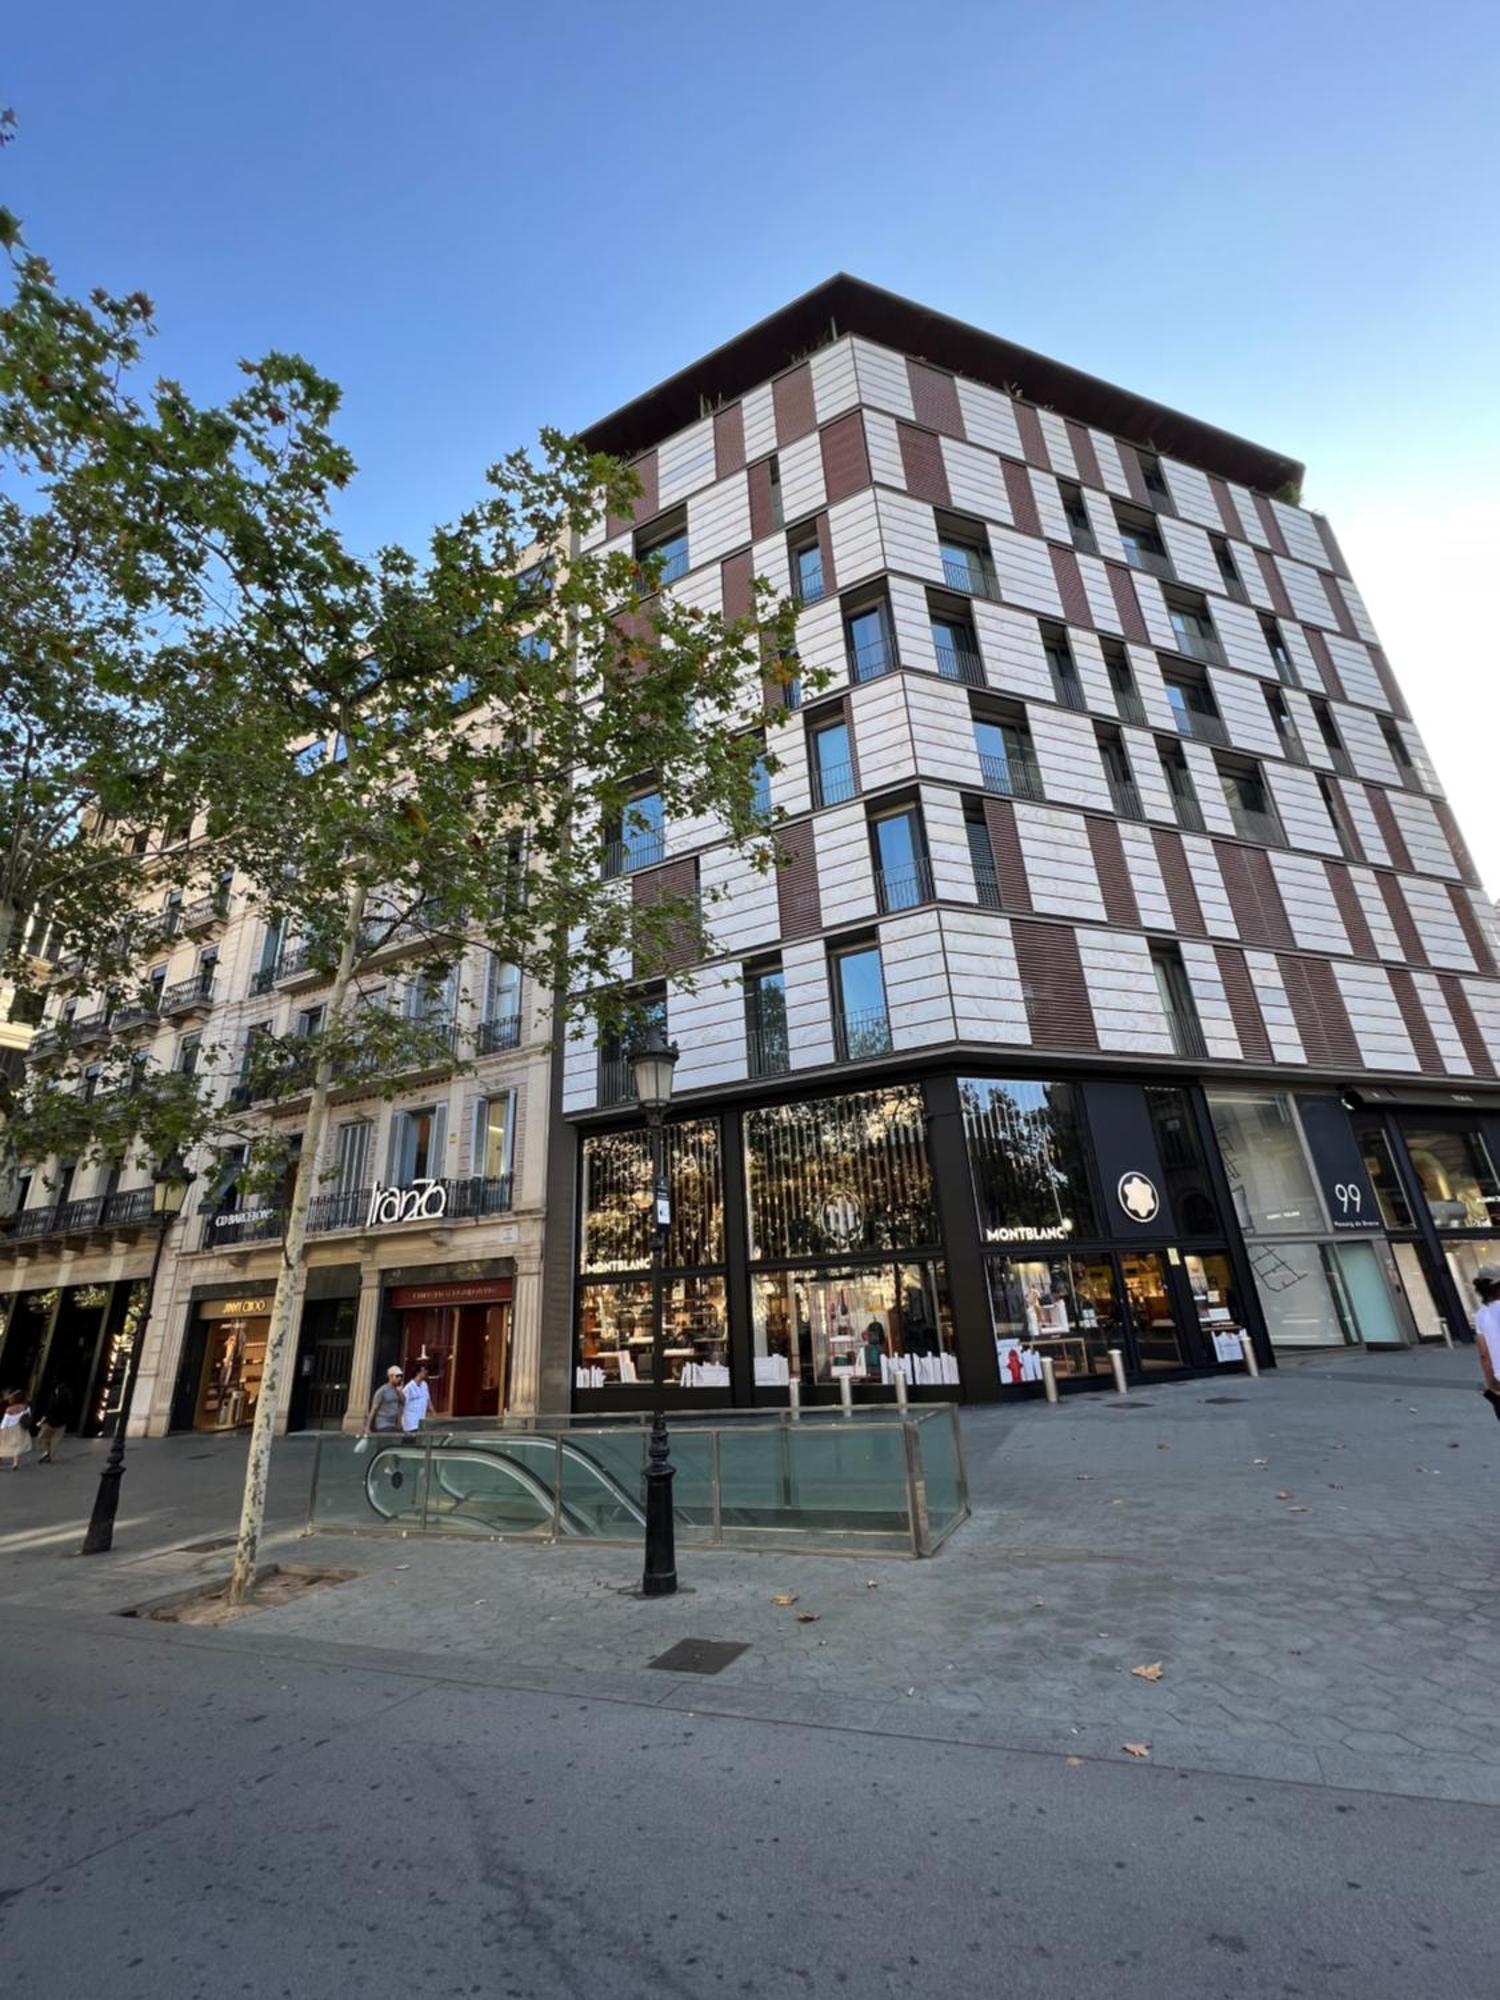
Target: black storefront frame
column 1389, row 1120
column 959, row 1246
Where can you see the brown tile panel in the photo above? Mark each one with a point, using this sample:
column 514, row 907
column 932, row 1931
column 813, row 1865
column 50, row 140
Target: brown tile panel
column 1318, row 1009
column 1270, row 524
column 1467, row 1026
column 1084, row 455
column 1033, row 443
column 1135, row 479
column 729, row 440
column 636, row 630
column 1005, row 845
column 797, row 882
column 673, row 879
column 1053, row 986
column 1244, row 1008
column 1259, row 913
column 1351, row 909
column 1460, row 847
column 1280, row 602
column 846, row 460
column 792, row 395
column 645, row 504
column 1414, row 1014
column 1469, row 924
column 1113, row 871
column 1324, row 658
column 1229, row 514
column 922, row 461
column 1407, row 935
column 1075, row 599
column 736, row 574
column 1171, row 858
column 1023, row 507
column 1128, row 605
column 1330, row 543
column 934, row 399
column 1390, row 831
column 762, row 509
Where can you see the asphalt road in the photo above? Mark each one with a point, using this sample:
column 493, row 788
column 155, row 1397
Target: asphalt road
column 205, row 1814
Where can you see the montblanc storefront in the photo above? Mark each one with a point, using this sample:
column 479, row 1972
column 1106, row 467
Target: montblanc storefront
column 955, row 1231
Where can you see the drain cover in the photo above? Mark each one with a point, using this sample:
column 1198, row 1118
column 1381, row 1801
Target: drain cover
column 207, row 1548
column 699, row 1656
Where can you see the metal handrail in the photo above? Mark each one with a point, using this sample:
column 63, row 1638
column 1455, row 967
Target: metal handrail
column 767, row 1052
column 1124, row 797
column 808, row 586
column 870, row 661
column 1015, row 774
column 832, row 784
column 1131, row 707
column 987, row 888
column 904, row 888
column 500, row 1032
column 195, row 992
column 1189, row 813
column 974, row 574
column 1068, row 690
column 961, row 663
column 1152, row 561
column 865, row 1033
column 627, row 857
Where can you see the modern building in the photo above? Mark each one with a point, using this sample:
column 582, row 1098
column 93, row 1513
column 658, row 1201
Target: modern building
column 1126, row 982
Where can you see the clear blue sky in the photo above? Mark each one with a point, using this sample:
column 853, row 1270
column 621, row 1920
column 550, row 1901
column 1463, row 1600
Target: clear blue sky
column 480, row 218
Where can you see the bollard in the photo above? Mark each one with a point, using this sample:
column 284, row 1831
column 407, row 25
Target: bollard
column 1247, row 1348
column 1117, row 1367
column 1447, row 1334
column 898, row 1376
column 846, row 1392
column 1049, row 1378
column 794, row 1398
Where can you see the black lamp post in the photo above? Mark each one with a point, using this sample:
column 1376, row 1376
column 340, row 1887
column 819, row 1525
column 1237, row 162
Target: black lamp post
column 653, row 1063
column 169, row 1186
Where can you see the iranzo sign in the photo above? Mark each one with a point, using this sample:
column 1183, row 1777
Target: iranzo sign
column 423, row 1201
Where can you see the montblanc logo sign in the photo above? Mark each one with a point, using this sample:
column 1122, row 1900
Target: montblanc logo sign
column 423, row 1201
column 1138, row 1197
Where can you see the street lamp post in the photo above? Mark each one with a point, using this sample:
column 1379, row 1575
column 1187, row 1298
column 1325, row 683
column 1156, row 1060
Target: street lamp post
column 169, row 1186
column 653, row 1063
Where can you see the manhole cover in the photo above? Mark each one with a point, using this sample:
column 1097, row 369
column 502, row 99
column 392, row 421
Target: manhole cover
column 1223, row 1399
column 1135, row 1403
column 207, row 1548
column 699, row 1656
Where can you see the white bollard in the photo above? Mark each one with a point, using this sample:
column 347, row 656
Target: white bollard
column 1117, row 1367
column 1447, row 1334
column 898, row 1376
column 794, row 1398
column 1247, row 1348
column 1049, row 1378
column 846, row 1393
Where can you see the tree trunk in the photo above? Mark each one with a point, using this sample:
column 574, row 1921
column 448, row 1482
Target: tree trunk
column 263, row 1430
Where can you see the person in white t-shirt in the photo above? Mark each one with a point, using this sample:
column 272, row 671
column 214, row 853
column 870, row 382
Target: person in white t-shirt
column 418, row 1396
column 1487, row 1330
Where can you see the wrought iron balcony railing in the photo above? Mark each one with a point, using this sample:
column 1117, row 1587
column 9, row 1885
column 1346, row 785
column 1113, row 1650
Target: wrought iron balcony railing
column 1016, row 774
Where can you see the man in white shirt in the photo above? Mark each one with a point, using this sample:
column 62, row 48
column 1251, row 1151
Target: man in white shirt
column 1487, row 1329
column 418, row 1396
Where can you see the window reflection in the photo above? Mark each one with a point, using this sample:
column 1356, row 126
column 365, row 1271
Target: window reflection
column 1380, row 1165
column 1457, row 1177
column 839, row 1174
column 614, row 1334
column 1065, row 1308
column 617, row 1198
column 1026, row 1153
column 866, row 1324
column 1182, row 1161
column 1269, row 1178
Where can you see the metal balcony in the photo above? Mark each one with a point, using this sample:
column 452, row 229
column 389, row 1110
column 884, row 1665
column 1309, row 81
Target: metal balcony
column 832, row 784
column 1015, row 774
column 89, row 1027
column 1187, row 1035
column 1155, row 562
column 860, row 1036
column 295, row 967
column 961, row 663
column 1124, row 797
column 1189, row 813
column 189, row 996
column 870, row 661
column 1068, row 690
column 1131, row 707
column 903, row 888
column 628, row 857
column 496, row 1035
column 987, row 888
column 616, row 1083
column 972, row 573
column 1198, row 646
column 230, row 1227
column 767, row 1052
column 203, row 914
column 807, row 583
column 1201, row 726
column 136, row 1014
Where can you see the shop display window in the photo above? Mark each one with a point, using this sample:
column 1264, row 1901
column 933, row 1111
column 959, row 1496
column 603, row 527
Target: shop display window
column 1395, row 1209
column 1464, row 1259
column 839, row 1175
column 1269, row 1178
column 867, row 1324
column 1027, row 1157
column 1296, row 1296
column 617, row 1211
column 1066, row 1308
column 614, row 1334
column 1210, row 1279
column 233, row 1363
column 1148, row 1295
column 1457, row 1178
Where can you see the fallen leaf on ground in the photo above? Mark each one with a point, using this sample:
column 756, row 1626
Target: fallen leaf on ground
column 785, row 1597
column 1152, row 1673
column 871, row 1584
column 1038, row 1603
column 1161, row 1447
column 807, row 1617
column 1260, row 1461
column 1299, row 1510
column 1283, row 1494
column 1136, row 1749
column 1075, row 1763
column 1083, row 1475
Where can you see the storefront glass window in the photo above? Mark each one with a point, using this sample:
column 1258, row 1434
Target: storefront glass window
column 867, row 1323
column 1457, row 1177
column 1182, row 1161
column 839, row 1175
column 1291, row 1282
column 1418, row 1290
column 1464, row 1259
column 1269, row 1178
column 1066, row 1308
column 1210, row 1279
column 1148, row 1294
column 617, row 1198
column 1395, row 1209
column 1027, row 1158
column 614, row 1334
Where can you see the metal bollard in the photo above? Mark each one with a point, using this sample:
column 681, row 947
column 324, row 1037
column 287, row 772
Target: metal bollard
column 1117, row 1367
column 898, row 1376
column 1049, row 1378
column 794, row 1398
column 1447, row 1334
column 1247, row 1348
column 846, row 1393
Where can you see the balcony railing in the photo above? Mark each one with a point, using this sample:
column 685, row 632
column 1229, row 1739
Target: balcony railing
column 89, row 1027
column 1201, row 726
column 136, row 1013
column 833, row 783
column 296, row 962
column 262, row 981
column 1187, row 1035
column 869, row 661
column 626, row 857
column 1084, row 539
column 464, row 1201
column 502, row 1031
column 807, row 582
column 616, row 1084
column 1291, row 746
column 766, row 1051
column 1155, row 562
column 961, row 663
column 1016, row 775
column 859, row 1036
column 987, row 888
column 974, row 574
column 905, row 887
column 74, row 1218
column 1131, row 707
column 1233, row 588
column 1198, row 646
column 242, row 1225
column 1124, row 797
column 1189, row 813
column 1068, row 690
column 203, row 914
column 1262, row 827
column 45, row 1042
column 188, row 994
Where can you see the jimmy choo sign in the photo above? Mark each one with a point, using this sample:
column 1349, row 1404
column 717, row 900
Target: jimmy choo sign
column 423, row 1201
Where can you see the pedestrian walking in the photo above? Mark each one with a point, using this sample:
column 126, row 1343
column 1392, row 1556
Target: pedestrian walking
column 387, row 1404
column 418, row 1396
column 57, row 1414
column 15, row 1429
column 1487, row 1330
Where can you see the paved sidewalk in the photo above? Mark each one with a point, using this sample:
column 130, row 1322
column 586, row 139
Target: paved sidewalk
column 1312, row 1560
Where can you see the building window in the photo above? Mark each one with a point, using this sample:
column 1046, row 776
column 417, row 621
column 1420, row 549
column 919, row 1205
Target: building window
column 1151, row 472
column 1228, row 574
column 773, row 475
column 1007, row 762
column 616, row 1085
column 1176, row 995
column 665, row 543
column 1026, row 1156
column 1080, row 527
column 1457, row 1178
column 903, row 875
column 416, row 1146
column 765, row 1021
column 861, row 1025
column 500, row 1027
column 806, row 558
column 760, row 779
column 1194, row 709
column 1270, row 1181
column 1066, row 685
column 1333, row 743
column 1249, row 801
column 351, row 1157
column 1122, row 681
column 1144, row 547
column 867, row 635
column 1343, row 826
column 617, row 1208
column 982, row 858
column 1380, row 1165
column 1193, row 626
column 1401, row 756
column 1067, row 1308
column 839, row 1175
column 831, row 762
column 494, row 1137
column 1286, row 729
column 615, row 1333
column 957, row 648
column 187, row 1054
column 1276, row 646
column 1118, row 775
column 637, row 838
column 965, row 549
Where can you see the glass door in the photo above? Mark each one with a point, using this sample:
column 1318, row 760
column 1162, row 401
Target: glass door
column 1155, row 1312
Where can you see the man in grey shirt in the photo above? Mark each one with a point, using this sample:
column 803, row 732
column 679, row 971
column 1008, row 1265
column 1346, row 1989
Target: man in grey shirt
column 388, row 1403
